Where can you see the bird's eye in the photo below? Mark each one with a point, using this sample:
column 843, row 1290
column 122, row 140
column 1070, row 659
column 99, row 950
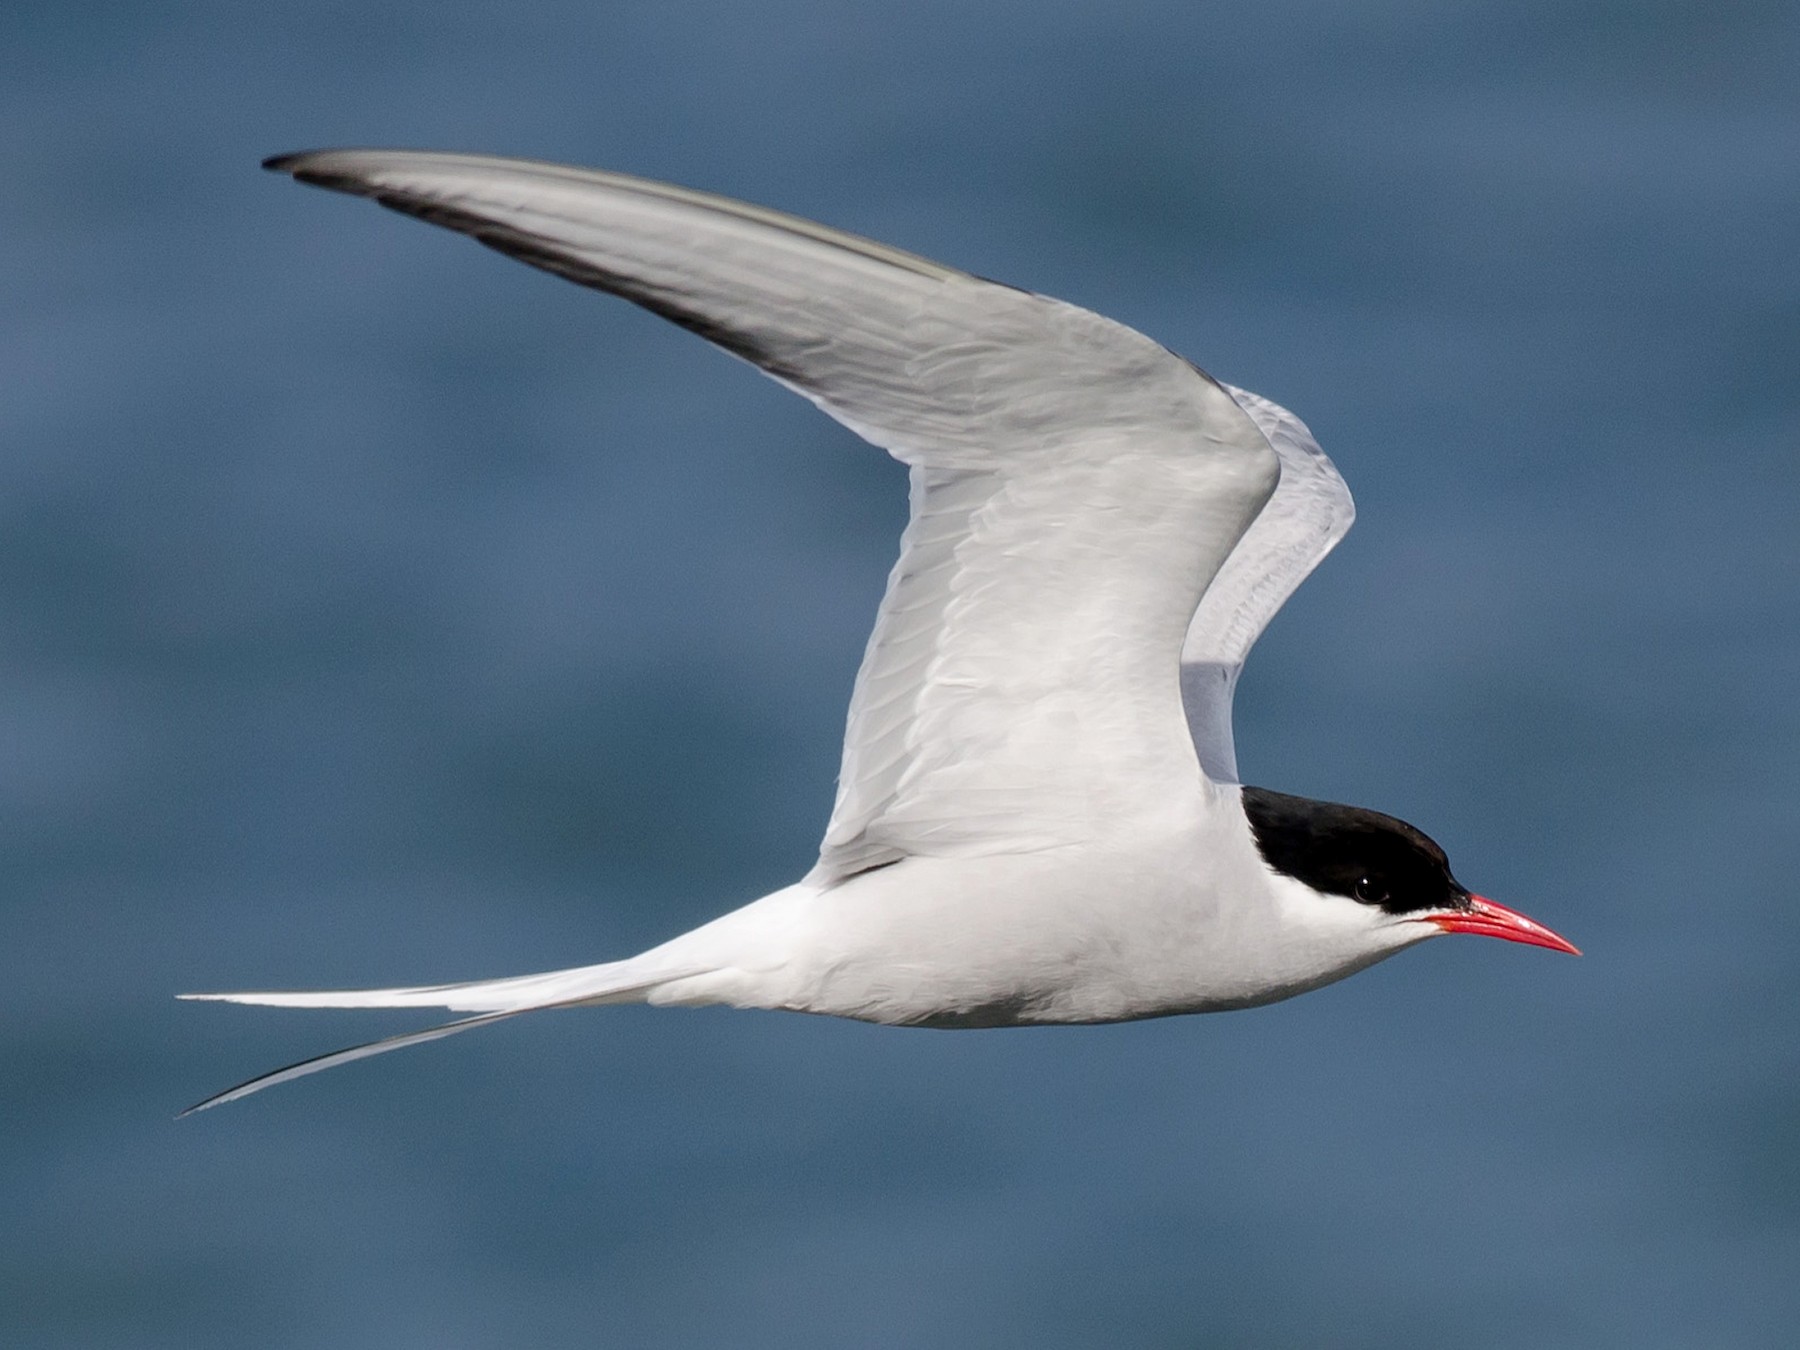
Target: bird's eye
column 1369, row 893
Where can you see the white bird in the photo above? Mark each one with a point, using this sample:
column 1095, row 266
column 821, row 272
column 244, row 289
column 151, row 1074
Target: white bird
column 1038, row 817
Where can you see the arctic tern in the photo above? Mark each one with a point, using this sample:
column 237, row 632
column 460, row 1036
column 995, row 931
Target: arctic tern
column 1039, row 817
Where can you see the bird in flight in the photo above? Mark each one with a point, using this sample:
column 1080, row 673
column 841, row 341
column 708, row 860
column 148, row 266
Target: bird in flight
column 1039, row 818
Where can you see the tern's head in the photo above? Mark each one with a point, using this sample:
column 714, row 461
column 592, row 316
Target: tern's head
column 1397, row 873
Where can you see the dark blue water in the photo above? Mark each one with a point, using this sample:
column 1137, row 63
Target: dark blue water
column 375, row 610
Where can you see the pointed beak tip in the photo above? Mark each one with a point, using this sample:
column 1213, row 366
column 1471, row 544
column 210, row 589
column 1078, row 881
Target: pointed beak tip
column 1486, row 918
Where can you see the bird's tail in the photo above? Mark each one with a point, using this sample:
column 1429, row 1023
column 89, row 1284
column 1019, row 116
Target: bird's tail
column 492, row 1000
column 609, row 982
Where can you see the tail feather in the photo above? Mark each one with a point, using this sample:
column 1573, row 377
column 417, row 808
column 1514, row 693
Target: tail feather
column 337, row 1057
column 493, row 1001
column 612, row 981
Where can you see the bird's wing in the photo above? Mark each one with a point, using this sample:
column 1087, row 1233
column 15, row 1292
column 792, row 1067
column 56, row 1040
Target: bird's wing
column 1075, row 487
column 1310, row 511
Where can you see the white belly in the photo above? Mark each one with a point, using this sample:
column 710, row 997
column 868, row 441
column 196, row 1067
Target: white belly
column 1189, row 922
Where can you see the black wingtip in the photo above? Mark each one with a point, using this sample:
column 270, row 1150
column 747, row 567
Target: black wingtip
column 297, row 167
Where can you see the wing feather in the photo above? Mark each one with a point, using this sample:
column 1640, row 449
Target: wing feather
column 1075, row 487
column 1310, row 511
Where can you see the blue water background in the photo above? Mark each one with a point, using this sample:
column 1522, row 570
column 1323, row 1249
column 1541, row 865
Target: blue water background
column 376, row 610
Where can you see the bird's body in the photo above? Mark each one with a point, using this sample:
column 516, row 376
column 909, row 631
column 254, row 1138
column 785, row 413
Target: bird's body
column 1038, row 818
column 1178, row 916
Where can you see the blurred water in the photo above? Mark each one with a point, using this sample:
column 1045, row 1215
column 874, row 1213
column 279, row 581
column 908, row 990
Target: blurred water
column 373, row 610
